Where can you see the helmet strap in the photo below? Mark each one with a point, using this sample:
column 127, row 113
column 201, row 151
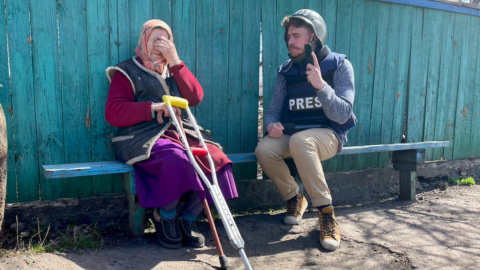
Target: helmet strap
column 315, row 43
column 295, row 60
column 302, row 56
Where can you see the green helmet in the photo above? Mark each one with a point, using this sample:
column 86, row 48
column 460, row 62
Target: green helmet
column 313, row 19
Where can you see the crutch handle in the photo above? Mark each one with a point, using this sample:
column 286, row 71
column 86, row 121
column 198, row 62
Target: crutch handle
column 175, row 101
column 198, row 151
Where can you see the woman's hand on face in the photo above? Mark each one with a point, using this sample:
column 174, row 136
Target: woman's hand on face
column 162, row 110
column 167, row 48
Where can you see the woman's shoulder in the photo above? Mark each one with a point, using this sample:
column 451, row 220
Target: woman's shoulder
column 125, row 67
column 129, row 62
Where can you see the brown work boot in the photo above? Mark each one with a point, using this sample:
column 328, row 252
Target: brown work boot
column 329, row 234
column 295, row 208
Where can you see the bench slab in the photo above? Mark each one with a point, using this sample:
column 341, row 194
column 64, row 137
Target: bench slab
column 111, row 167
column 406, row 156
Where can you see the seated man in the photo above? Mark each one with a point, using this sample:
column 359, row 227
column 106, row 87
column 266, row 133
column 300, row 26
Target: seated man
column 315, row 102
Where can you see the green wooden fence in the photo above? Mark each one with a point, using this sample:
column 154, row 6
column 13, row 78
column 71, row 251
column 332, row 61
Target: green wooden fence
column 58, row 51
column 396, row 49
column 59, row 87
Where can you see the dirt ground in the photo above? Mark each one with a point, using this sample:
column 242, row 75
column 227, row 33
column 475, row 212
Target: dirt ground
column 439, row 231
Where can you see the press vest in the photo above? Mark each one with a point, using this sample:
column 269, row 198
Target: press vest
column 301, row 105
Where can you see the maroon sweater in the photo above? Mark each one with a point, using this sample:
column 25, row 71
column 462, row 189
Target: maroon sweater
column 121, row 109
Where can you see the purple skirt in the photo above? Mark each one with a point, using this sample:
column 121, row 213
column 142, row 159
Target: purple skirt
column 168, row 174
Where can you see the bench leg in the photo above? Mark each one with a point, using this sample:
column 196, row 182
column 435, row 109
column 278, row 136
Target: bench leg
column 406, row 161
column 407, row 185
column 136, row 213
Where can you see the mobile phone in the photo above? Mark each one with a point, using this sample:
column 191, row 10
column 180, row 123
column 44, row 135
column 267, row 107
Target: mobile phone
column 308, row 53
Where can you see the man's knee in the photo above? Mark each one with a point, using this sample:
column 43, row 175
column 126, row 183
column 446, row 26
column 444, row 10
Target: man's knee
column 265, row 150
column 262, row 150
column 299, row 143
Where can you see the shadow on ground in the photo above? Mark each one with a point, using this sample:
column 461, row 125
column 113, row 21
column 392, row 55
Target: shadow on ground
column 440, row 231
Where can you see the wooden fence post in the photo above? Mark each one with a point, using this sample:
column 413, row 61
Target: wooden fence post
column 3, row 166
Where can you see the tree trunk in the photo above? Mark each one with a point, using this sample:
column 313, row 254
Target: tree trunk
column 3, row 166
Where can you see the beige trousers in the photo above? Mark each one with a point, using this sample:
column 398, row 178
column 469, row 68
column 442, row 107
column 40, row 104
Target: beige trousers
column 307, row 148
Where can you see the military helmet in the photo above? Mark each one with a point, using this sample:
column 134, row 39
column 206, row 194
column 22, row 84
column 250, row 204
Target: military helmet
column 313, row 19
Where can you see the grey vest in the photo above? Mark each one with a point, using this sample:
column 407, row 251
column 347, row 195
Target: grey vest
column 133, row 144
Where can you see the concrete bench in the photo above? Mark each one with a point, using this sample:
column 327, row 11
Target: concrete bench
column 406, row 157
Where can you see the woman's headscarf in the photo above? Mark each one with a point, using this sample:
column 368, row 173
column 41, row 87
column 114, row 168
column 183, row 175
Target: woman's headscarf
column 141, row 49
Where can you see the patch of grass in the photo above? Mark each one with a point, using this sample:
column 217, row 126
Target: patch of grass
column 74, row 238
column 38, row 248
column 265, row 209
column 77, row 237
column 469, row 181
column 248, row 213
column 149, row 226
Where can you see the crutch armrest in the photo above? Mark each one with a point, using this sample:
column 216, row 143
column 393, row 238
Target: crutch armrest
column 175, row 101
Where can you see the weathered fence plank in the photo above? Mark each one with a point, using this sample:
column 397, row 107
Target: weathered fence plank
column 329, row 14
column 118, row 23
column 366, row 82
column 98, row 60
column 162, row 10
column 400, row 94
column 250, row 69
column 204, row 60
column 21, row 69
column 139, row 12
column 418, row 77
column 355, row 57
column 314, row 5
column 75, row 99
column 466, row 88
column 433, row 24
column 6, row 102
column 444, row 91
column 341, row 44
column 48, row 94
column 235, row 81
column 390, row 95
column 475, row 138
column 220, row 83
column 270, row 61
column 380, row 78
column 459, row 39
column 184, row 32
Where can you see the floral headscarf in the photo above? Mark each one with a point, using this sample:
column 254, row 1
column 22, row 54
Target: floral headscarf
column 142, row 50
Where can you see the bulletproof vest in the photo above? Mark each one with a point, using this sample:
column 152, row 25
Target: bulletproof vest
column 301, row 105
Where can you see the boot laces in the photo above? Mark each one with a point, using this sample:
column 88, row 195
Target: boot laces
column 292, row 206
column 328, row 225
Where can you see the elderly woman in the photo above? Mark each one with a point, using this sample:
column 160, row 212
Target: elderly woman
column 163, row 173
